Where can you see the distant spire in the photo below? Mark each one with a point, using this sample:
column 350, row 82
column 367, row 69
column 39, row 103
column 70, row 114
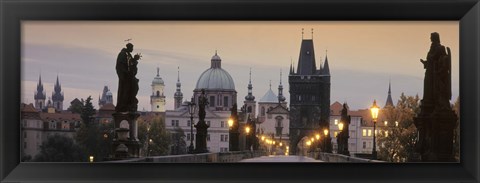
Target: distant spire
column 178, row 74
column 281, row 98
column 270, row 84
column 389, row 97
column 158, row 71
column 326, row 69
column 250, row 96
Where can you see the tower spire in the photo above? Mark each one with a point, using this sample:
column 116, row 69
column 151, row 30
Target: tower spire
column 312, row 33
column 326, row 69
column 178, row 74
column 158, row 71
column 281, row 98
column 389, row 96
column 250, row 96
column 178, row 96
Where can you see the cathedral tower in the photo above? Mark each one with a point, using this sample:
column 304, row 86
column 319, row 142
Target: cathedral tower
column 309, row 89
column 57, row 96
column 40, row 95
column 157, row 99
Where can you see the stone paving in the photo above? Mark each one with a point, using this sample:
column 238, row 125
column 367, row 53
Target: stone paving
column 278, row 158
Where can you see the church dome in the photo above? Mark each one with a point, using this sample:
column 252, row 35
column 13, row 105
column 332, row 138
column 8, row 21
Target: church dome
column 157, row 79
column 215, row 77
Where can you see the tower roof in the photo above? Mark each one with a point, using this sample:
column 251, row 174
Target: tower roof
column 250, row 96
column 157, row 79
column 389, row 97
column 269, row 97
column 306, row 60
column 40, row 93
column 326, row 68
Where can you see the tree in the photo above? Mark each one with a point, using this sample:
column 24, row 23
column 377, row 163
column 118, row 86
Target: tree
column 154, row 137
column 397, row 142
column 179, row 145
column 76, row 106
column 91, row 135
column 58, row 148
column 88, row 111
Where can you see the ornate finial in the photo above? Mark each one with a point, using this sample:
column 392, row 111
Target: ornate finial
column 302, row 33
column 280, row 76
column 178, row 74
column 250, row 80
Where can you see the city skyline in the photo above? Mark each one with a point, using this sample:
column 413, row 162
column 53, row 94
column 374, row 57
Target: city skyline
column 363, row 56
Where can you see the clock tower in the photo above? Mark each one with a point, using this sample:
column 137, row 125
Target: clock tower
column 157, row 99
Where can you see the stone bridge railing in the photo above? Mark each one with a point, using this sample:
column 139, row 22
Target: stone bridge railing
column 224, row 157
column 329, row 157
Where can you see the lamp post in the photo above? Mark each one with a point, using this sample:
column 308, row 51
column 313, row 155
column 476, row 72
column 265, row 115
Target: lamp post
column 325, row 144
column 191, row 111
column 340, row 139
column 374, row 110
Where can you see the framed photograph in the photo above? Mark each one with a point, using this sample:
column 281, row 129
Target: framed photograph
column 362, row 91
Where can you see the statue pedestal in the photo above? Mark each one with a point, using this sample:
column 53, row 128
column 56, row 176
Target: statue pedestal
column 125, row 144
column 201, row 137
column 436, row 136
column 234, row 141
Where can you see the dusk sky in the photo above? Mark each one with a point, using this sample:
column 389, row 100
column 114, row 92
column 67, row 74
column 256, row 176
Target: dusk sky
column 363, row 56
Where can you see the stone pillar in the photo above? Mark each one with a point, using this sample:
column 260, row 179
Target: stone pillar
column 125, row 143
column 201, row 137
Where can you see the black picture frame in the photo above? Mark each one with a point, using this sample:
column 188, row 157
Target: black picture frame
column 13, row 12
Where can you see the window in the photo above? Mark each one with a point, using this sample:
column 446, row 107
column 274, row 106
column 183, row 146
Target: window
column 176, row 123
column 208, row 123
column 364, row 145
column 24, row 134
column 369, row 133
column 190, row 136
column 222, row 124
column 188, row 123
column 364, row 132
column 226, row 138
column 158, row 106
column 249, row 109
column 336, row 121
column 53, row 125
column 173, row 122
column 335, row 134
column 225, row 101
column 158, row 93
column 208, row 137
column 222, row 137
column 212, row 101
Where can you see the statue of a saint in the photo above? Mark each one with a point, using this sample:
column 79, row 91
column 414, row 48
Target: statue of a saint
column 202, row 103
column 126, row 68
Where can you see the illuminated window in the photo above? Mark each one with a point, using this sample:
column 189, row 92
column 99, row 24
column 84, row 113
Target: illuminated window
column 336, row 122
column 369, row 133
column 335, row 133
column 364, row 133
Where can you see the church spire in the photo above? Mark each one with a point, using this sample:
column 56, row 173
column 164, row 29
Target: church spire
column 326, row 69
column 250, row 96
column 178, row 94
column 57, row 96
column 389, row 97
column 281, row 98
column 158, row 71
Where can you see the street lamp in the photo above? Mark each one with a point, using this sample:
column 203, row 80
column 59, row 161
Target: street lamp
column 374, row 110
column 230, row 123
column 91, row 159
column 191, row 110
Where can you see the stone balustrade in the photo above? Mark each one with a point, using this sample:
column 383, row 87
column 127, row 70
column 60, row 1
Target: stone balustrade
column 329, row 157
column 224, row 157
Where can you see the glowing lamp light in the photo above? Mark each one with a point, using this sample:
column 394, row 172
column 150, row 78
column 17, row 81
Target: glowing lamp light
column 317, row 136
column 325, row 132
column 340, row 126
column 230, row 122
column 91, row 159
column 247, row 129
column 374, row 110
column 386, row 123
